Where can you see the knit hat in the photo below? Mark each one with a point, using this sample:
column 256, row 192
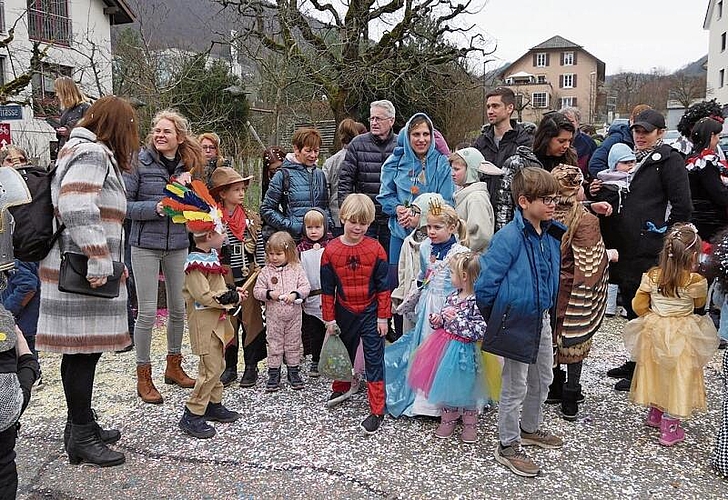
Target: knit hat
column 618, row 153
column 570, row 179
column 423, row 201
column 476, row 164
column 193, row 205
column 225, row 176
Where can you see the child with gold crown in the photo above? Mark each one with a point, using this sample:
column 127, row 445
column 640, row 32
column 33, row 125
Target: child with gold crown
column 207, row 300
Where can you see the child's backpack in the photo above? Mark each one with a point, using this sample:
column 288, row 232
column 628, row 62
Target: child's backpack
column 33, row 236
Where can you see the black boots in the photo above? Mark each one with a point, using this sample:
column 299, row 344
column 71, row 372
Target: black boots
column 555, row 389
column 230, row 374
column 84, row 445
column 624, row 372
column 250, row 376
column 569, row 402
column 294, row 378
column 109, row 436
column 274, row 380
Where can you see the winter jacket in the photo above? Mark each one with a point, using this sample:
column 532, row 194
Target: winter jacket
column 69, row 118
column 283, row 280
column 518, row 282
column 332, row 169
column 362, row 167
column 22, row 296
column 585, row 147
column 709, row 193
column 501, row 197
column 144, row 189
column 402, row 178
column 511, row 140
column 660, row 180
column 617, row 133
column 307, row 189
column 472, row 204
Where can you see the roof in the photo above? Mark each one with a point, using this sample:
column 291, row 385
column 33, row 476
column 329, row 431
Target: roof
column 556, row 42
column 119, row 12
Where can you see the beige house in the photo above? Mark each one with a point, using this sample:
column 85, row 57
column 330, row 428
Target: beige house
column 554, row 74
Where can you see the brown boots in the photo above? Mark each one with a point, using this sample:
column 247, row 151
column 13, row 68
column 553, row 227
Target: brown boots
column 174, row 374
column 145, row 386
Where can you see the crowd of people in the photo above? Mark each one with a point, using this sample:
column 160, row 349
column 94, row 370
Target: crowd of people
column 459, row 280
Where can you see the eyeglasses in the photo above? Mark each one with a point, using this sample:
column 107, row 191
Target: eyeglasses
column 377, row 119
column 550, row 200
column 209, row 148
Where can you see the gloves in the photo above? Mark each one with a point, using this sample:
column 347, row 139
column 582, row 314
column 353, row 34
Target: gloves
column 229, row 297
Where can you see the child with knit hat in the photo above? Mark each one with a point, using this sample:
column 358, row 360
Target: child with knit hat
column 472, row 200
column 207, row 300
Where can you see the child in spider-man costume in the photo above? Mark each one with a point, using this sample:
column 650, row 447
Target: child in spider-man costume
column 355, row 296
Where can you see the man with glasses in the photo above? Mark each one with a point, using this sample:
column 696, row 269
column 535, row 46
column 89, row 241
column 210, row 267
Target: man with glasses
column 362, row 166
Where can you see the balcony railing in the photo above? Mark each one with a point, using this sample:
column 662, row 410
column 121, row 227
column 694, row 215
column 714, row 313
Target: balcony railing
column 49, row 27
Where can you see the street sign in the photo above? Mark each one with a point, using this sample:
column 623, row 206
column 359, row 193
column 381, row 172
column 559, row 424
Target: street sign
column 11, row 112
column 5, row 134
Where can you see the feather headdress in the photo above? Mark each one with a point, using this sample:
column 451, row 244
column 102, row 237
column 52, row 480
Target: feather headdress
column 192, row 205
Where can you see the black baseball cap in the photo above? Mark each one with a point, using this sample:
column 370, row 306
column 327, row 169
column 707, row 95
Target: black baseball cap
column 649, row 120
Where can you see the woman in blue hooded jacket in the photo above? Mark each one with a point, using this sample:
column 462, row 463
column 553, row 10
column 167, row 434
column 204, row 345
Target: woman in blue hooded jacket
column 415, row 167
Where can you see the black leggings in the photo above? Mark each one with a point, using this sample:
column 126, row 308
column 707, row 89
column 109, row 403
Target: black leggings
column 77, row 375
column 573, row 374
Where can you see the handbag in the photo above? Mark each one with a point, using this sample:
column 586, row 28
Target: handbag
column 72, row 277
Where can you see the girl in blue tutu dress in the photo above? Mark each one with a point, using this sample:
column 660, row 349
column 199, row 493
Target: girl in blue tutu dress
column 447, row 367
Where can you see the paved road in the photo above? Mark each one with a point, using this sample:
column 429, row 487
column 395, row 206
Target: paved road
column 289, row 446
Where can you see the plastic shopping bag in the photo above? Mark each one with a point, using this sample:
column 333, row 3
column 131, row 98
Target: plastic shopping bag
column 334, row 362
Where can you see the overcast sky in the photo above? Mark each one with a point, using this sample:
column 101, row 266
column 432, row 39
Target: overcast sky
column 628, row 35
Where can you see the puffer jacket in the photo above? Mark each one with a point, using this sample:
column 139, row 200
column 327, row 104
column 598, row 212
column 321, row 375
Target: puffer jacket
column 144, row 189
column 518, row 282
column 362, row 166
column 307, row 189
column 618, row 133
column 511, row 140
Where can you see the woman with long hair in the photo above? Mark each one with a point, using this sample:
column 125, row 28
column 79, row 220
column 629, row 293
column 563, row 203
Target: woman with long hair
column 88, row 194
column 73, row 104
column 552, row 141
column 708, row 176
column 171, row 151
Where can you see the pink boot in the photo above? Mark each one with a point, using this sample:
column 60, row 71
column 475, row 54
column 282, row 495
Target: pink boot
column 470, row 426
column 670, row 432
column 448, row 420
column 654, row 417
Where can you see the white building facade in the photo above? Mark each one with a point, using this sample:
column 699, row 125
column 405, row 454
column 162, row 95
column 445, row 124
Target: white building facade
column 75, row 37
column 716, row 22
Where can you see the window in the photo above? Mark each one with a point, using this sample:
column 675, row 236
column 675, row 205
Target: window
column 567, row 102
column 541, row 79
column 541, row 60
column 719, row 10
column 44, row 95
column 721, row 78
column 2, row 70
column 568, row 81
column 722, row 42
column 49, row 21
column 568, row 58
column 540, row 100
column 2, row 17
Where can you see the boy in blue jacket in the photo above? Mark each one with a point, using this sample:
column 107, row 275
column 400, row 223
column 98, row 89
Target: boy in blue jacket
column 22, row 298
column 516, row 293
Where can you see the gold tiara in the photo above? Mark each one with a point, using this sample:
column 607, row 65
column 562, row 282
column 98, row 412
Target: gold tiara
column 435, row 207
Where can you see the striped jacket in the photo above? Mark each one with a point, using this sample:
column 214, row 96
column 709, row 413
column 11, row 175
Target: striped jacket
column 88, row 196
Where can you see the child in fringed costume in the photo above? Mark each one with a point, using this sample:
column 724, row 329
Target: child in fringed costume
column 242, row 257
column 669, row 342
column 447, row 367
column 582, row 289
column 207, row 300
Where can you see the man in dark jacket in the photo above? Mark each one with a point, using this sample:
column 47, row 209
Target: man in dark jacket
column 362, row 166
column 502, row 136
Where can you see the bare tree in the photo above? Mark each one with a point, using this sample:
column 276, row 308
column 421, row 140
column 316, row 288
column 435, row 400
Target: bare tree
column 687, row 88
column 334, row 46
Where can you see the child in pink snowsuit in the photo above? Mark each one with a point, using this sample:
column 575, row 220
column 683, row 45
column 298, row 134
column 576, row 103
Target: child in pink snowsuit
column 282, row 285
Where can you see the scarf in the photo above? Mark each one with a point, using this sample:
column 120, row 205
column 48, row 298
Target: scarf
column 641, row 154
column 236, row 222
column 307, row 243
column 439, row 250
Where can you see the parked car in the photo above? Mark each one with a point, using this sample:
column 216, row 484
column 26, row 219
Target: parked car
column 723, row 144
